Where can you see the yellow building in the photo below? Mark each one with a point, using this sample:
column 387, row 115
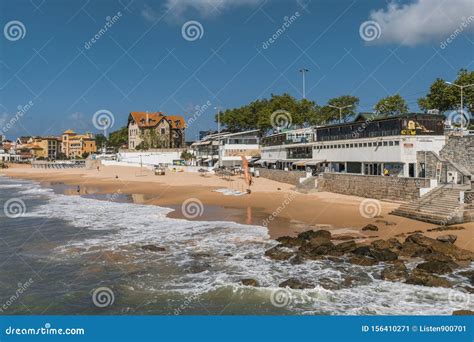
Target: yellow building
column 50, row 147
column 75, row 145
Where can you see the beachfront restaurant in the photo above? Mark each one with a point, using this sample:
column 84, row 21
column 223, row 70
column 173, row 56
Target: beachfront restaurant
column 369, row 145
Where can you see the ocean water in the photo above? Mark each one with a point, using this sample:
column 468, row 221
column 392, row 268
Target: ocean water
column 64, row 254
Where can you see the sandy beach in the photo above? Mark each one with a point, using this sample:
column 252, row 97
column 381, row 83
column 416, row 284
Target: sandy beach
column 272, row 204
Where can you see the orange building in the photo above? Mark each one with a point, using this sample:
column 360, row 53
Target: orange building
column 75, row 145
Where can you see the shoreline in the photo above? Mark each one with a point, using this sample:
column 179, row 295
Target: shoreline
column 285, row 211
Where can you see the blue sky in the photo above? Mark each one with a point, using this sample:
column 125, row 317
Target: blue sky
column 143, row 62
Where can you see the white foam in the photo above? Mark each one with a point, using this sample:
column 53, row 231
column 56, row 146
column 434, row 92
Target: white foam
column 235, row 251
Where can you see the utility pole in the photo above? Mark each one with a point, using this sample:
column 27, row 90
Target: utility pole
column 462, row 99
column 340, row 110
column 304, row 71
column 218, row 134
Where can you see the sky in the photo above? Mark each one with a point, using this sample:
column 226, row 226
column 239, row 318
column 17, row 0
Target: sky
column 69, row 64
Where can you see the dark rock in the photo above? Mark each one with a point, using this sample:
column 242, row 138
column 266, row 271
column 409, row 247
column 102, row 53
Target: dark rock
column 444, row 228
column 437, row 267
column 371, row 227
column 249, row 282
column 362, row 261
column 310, row 234
column 448, row 249
column 395, row 272
column 289, row 241
column 362, row 250
column 411, row 249
column 392, row 244
column 347, row 246
column 294, row 283
column 469, row 275
column 279, row 253
column 421, row 277
column 450, row 238
column 383, row 254
column 318, row 246
column 153, row 248
column 439, row 257
column 468, row 289
column 463, row 313
column 228, row 255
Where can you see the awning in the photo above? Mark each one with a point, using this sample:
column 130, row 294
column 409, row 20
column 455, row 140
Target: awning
column 300, row 162
column 314, row 162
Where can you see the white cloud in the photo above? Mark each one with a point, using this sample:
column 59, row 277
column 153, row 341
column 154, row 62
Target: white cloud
column 422, row 20
column 205, row 8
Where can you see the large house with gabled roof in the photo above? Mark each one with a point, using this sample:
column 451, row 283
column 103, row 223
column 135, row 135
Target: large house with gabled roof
column 155, row 130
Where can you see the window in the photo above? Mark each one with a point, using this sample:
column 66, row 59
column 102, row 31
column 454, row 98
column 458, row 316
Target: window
column 365, row 144
column 385, row 143
column 390, row 143
column 370, row 144
column 397, row 143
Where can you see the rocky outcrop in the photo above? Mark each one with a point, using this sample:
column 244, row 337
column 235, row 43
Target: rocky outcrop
column 440, row 256
column 421, row 277
column 371, row 227
column 450, row 238
column 294, row 283
column 279, row 252
column 153, row 248
column 395, row 272
column 249, row 282
column 433, row 266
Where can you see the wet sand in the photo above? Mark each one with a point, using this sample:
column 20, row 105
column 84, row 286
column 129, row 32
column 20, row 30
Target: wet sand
column 272, row 204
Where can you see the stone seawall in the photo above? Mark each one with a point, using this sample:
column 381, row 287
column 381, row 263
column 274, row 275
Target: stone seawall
column 460, row 150
column 379, row 187
column 289, row 177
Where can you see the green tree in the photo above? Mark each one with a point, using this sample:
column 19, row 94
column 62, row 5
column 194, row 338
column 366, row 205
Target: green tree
column 444, row 97
column 186, row 155
column 391, row 105
column 118, row 138
column 100, row 140
column 329, row 113
column 268, row 114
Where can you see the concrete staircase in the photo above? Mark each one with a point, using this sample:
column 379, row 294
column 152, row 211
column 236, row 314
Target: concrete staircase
column 440, row 206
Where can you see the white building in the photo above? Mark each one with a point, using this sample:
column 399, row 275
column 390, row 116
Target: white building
column 226, row 149
column 369, row 145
